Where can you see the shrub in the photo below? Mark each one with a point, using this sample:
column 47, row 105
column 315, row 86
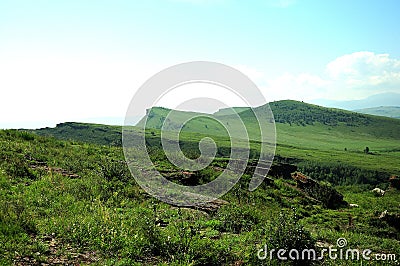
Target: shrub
column 287, row 233
column 237, row 220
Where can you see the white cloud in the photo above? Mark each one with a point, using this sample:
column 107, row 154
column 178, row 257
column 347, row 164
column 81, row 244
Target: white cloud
column 361, row 63
column 365, row 68
column 365, row 73
column 353, row 76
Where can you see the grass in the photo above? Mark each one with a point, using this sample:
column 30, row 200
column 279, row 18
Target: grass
column 305, row 132
column 104, row 218
column 74, row 200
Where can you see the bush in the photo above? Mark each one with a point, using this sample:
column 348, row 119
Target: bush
column 287, row 233
column 114, row 170
column 18, row 169
column 237, row 220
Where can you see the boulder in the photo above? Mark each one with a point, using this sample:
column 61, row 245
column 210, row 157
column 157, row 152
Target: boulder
column 329, row 197
column 392, row 219
column 378, row 191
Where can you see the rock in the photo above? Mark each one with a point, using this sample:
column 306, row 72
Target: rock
column 391, row 218
column 322, row 244
column 329, row 197
column 383, row 214
column 202, row 204
column 211, row 206
column 378, row 191
column 277, row 170
column 282, row 170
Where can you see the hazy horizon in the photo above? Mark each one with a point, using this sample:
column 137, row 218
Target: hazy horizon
column 83, row 61
column 119, row 121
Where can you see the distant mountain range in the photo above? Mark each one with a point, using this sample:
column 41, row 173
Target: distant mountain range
column 389, row 111
column 378, row 100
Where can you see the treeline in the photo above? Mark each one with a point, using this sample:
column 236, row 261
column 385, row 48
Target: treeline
column 341, row 174
column 297, row 113
column 90, row 133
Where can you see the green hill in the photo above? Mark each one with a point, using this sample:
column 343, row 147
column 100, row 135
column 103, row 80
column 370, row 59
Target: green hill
column 323, row 142
column 285, row 112
column 299, row 113
column 84, row 132
column 202, row 123
column 328, row 137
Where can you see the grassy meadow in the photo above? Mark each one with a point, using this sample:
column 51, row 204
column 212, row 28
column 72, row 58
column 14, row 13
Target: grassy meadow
column 67, row 196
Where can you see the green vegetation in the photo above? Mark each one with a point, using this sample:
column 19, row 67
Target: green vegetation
column 68, row 196
column 330, row 137
column 92, row 133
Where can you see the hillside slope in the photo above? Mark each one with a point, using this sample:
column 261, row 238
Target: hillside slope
column 311, row 133
column 313, row 137
column 84, row 132
column 285, row 112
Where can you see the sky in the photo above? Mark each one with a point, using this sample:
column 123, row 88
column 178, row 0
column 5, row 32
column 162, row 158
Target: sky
column 84, row 60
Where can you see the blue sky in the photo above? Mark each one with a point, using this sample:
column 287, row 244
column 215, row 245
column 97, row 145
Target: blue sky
column 81, row 60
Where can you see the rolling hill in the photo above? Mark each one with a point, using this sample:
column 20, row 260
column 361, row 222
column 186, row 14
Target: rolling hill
column 287, row 112
column 84, row 132
column 312, row 136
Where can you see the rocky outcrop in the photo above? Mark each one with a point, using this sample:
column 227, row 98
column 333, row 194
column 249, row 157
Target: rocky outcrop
column 393, row 219
column 277, row 170
column 327, row 195
column 282, row 170
column 36, row 164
